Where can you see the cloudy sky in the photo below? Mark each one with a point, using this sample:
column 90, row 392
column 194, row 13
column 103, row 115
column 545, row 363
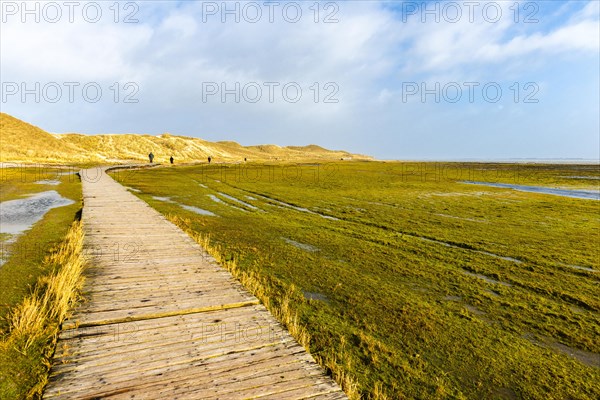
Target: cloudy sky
column 396, row 80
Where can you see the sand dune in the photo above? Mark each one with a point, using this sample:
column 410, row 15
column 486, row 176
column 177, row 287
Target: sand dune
column 23, row 142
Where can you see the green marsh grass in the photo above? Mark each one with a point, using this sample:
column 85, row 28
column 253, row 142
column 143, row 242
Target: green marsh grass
column 27, row 345
column 26, row 254
column 407, row 282
column 38, row 282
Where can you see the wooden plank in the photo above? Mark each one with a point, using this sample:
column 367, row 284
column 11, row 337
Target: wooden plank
column 201, row 372
column 83, row 343
column 107, row 317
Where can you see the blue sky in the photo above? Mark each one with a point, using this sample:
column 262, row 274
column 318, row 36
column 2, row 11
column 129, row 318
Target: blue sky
column 380, row 78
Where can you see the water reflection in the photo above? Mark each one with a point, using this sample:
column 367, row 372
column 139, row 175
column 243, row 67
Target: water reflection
column 16, row 216
column 575, row 193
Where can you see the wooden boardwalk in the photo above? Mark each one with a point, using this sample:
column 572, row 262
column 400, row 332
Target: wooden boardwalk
column 162, row 320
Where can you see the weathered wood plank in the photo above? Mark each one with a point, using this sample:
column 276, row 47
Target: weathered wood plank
column 224, row 325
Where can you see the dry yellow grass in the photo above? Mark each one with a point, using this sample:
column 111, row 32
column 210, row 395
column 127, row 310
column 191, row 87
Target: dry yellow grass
column 35, row 323
column 22, row 142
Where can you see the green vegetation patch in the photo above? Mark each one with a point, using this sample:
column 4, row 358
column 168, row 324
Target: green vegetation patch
column 415, row 284
column 26, row 348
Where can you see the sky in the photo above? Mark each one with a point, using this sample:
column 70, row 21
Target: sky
column 484, row 80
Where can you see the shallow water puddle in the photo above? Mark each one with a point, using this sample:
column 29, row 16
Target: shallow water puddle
column 462, row 218
column 487, row 279
column 19, row 215
column 586, row 357
column 197, row 210
column 579, row 267
column 250, row 206
column 474, row 310
column 164, row 199
column 301, row 246
column 438, row 242
column 315, row 296
column 194, row 209
column 574, row 193
column 487, row 253
column 301, row 209
column 576, row 310
column 215, row 199
column 48, row 182
column 218, row 200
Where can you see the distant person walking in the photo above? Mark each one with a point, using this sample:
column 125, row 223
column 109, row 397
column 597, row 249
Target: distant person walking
column 209, row 159
column 171, row 159
column 151, row 157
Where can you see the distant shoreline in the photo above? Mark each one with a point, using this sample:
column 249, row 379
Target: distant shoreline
column 564, row 161
column 539, row 161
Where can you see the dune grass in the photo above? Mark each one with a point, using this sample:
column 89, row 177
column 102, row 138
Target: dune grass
column 411, row 284
column 21, row 141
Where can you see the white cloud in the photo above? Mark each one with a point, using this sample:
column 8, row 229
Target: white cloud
column 171, row 52
column 447, row 46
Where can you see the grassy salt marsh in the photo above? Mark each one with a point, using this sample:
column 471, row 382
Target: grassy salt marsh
column 411, row 283
column 23, row 253
column 40, row 274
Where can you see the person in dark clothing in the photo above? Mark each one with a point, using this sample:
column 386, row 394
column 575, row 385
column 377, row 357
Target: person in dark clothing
column 171, row 159
column 151, row 157
column 209, row 159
